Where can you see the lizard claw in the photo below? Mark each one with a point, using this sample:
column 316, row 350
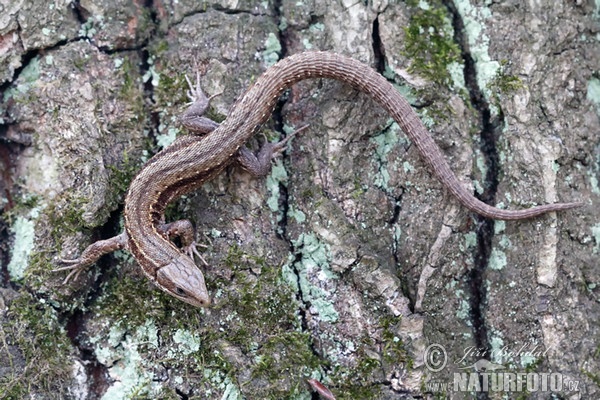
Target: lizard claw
column 91, row 254
column 75, row 265
column 195, row 92
column 279, row 147
column 191, row 250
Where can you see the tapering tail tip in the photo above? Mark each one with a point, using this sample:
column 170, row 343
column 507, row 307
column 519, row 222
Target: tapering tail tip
column 509, row 215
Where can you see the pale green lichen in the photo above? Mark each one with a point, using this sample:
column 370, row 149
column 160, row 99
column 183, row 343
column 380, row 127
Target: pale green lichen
column 296, row 214
column 385, row 142
column 283, row 24
column 594, row 182
column 270, row 54
column 499, row 226
column 593, row 93
column 23, row 230
column 426, row 118
column 497, row 345
column 232, row 392
column 314, row 261
column 473, row 18
column 470, row 241
column 307, row 44
column 166, row 139
column 528, row 360
column 423, row 5
column 504, row 242
column 478, row 187
column 463, row 311
column 121, row 352
column 88, row 28
column 397, row 232
column 278, row 176
column 223, row 383
column 188, row 342
column 481, row 164
column 457, row 75
column 497, row 260
column 28, row 78
column 151, row 75
column 318, row 27
column 596, row 234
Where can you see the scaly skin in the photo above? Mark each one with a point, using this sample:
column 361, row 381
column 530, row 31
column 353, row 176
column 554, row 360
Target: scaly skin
column 191, row 161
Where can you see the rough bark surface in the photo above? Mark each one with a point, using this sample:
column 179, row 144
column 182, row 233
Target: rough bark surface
column 349, row 264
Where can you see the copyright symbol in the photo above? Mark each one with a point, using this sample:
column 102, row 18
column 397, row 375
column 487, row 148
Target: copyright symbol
column 435, row 357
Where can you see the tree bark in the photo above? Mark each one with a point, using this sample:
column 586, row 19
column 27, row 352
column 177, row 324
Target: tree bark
column 349, row 263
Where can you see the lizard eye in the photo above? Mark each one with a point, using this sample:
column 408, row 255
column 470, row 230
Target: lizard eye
column 180, row 291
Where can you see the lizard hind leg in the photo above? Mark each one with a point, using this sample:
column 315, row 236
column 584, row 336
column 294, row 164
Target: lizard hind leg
column 259, row 165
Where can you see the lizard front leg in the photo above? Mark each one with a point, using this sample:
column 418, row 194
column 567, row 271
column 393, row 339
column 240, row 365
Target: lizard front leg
column 259, row 165
column 91, row 254
column 193, row 118
column 184, row 230
column 181, row 229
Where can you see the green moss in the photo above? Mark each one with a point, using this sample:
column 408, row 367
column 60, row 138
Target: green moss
column 130, row 93
column 32, row 327
column 146, row 25
column 65, row 215
column 173, row 87
column 502, row 85
column 159, row 47
column 281, row 355
column 505, row 84
column 261, row 305
column 129, row 87
column 356, row 382
column 352, row 383
column 121, row 176
column 393, row 348
column 593, row 376
column 254, row 308
column 429, row 42
column 80, row 63
column 130, row 298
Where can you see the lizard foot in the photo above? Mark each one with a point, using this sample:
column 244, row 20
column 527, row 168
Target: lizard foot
column 196, row 94
column 91, row 254
column 184, row 230
column 193, row 118
column 259, row 165
column 192, row 249
column 76, row 267
column 279, row 147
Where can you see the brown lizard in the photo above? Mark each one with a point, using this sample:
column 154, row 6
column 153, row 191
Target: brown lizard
column 193, row 160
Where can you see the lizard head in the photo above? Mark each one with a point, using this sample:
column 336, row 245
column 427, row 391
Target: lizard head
column 182, row 279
